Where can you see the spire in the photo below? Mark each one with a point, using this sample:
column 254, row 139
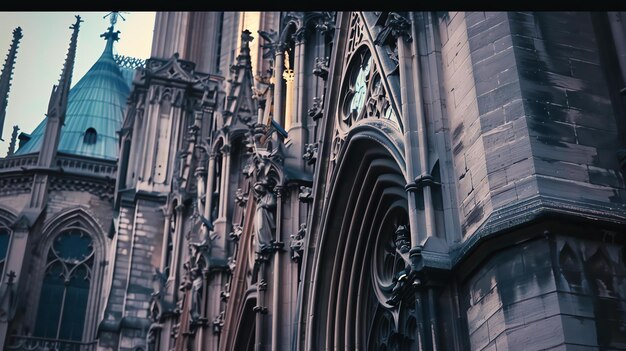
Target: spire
column 58, row 98
column 57, row 106
column 13, row 140
column 5, row 78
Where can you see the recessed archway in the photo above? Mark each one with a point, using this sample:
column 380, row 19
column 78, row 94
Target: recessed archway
column 358, row 261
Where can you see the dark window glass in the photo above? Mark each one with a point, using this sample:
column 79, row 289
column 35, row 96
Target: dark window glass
column 91, row 136
column 4, row 246
column 65, row 290
column 50, row 302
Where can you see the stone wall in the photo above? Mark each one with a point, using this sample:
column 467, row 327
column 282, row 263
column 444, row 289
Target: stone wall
column 139, row 240
column 555, row 292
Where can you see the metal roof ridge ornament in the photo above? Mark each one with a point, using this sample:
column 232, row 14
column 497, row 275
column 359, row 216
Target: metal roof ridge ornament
column 111, row 35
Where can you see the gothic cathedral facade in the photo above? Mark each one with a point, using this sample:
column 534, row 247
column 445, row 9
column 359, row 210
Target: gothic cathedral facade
column 326, row 181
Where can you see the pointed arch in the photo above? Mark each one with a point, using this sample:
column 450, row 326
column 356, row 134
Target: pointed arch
column 71, row 232
column 356, row 257
column 246, row 324
column 7, row 216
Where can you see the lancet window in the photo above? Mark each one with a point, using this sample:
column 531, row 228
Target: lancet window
column 66, row 284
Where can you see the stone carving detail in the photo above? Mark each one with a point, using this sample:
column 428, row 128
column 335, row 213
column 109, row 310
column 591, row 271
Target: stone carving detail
column 15, row 185
column 355, row 89
column 364, row 95
column 402, row 239
column 8, row 298
column 299, row 36
column 270, row 45
column 316, row 110
column 394, row 26
column 100, row 189
column 297, row 243
column 391, row 332
column 241, row 197
column 158, row 306
column 393, row 278
column 218, row 323
column 378, row 105
column 356, row 34
column 231, row 263
column 264, row 222
column 197, row 288
column 336, row 147
column 326, row 24
column 235, row 235
column 225, row 293
column 320, row 67
column 159, row 280
column 310, row 154
column 306, row 194
column 401, row 284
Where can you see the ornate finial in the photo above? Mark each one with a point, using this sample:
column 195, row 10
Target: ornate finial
column 243, row 59
column 11, row 275
column 110, row 36
column 288, row 73
column 394, row 25
column 13, row 139
column 113, row 17
column 246, row 37
column 5, row 78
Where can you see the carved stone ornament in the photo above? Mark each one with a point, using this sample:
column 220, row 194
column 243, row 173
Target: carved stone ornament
column 305, row 194
column 395, row 26
column 316, row 110
column 241, row 198
column 402, row 239
column 355, row 89
column 269, row 46
column 326, row 24
column 264, row 222
column 320, row 67
column 235, row 235
column 297, row 243
column 218, row 323
column 8, row 298
column 159, row 280
column 310, row 153
column 355, row 34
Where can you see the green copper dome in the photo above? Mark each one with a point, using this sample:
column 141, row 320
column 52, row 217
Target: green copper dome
column 95, row 111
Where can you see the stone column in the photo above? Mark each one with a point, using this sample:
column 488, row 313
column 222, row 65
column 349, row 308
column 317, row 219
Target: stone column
column 208, row 203
column 418, row 172
column 220, row 224
column 278, row 88
column 298, row 133
column 276, row 262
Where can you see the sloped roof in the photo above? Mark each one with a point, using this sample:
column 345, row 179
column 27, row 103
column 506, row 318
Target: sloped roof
column 97, row 101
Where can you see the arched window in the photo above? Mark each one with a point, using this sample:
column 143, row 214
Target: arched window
column 5, row 236
column 65, row 289
column 91, row 136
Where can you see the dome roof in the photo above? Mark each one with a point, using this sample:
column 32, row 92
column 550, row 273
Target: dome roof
column 95, row 111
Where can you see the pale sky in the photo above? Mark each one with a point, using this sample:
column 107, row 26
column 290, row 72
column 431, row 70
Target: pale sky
column 42, row 51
